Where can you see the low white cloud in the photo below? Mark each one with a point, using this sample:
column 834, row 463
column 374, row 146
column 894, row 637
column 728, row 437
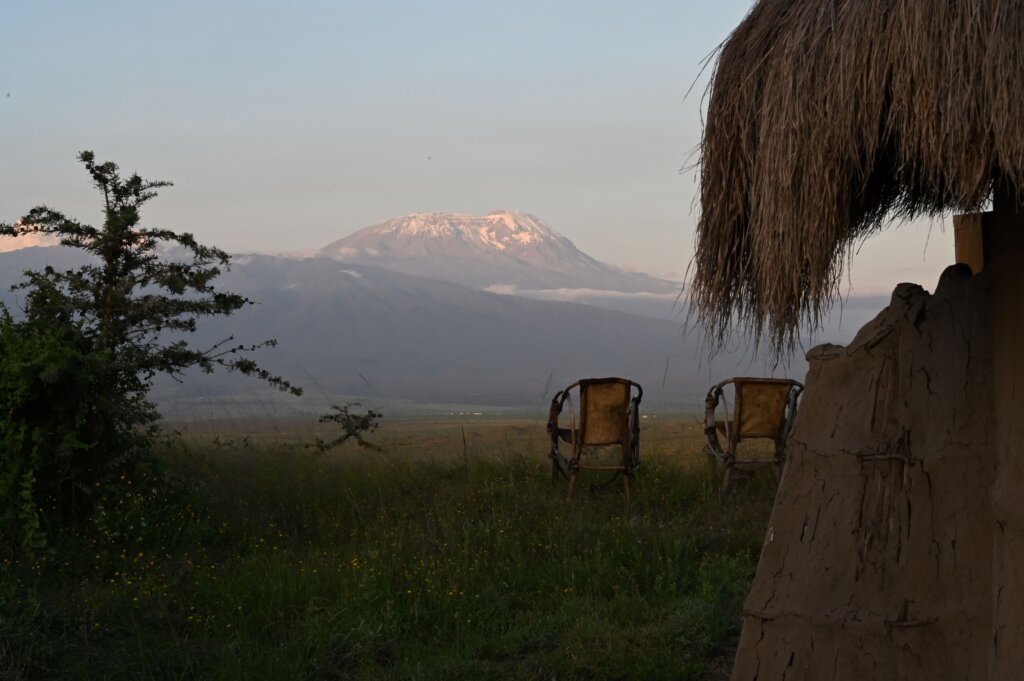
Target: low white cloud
column 502, row 289
column 571, row 294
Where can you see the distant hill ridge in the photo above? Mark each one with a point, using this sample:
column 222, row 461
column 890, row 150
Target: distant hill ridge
column 352, row 329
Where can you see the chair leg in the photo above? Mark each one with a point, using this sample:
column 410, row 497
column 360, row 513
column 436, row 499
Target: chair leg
column 627, row 480
column 712, row 465
column 726, row 479
column 554, row 471
column 572, row 485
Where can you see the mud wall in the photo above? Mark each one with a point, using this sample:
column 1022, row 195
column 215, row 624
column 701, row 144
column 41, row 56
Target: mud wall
column 1005, row 266
column 878, row 562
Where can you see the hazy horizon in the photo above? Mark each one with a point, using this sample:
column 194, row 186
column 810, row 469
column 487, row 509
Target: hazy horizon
column 287, row 128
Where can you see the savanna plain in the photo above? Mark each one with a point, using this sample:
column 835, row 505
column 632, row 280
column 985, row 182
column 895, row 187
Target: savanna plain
column 448, row 554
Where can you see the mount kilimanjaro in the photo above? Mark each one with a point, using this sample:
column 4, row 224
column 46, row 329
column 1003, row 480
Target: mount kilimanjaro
column 407, row 310
column 503, row 251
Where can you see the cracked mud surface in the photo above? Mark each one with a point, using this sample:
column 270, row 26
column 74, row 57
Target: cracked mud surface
column 880, row 558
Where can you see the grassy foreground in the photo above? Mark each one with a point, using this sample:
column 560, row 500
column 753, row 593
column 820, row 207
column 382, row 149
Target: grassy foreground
column 430, row 560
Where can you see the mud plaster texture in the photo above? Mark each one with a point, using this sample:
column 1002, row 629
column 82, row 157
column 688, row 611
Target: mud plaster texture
column 878, row 562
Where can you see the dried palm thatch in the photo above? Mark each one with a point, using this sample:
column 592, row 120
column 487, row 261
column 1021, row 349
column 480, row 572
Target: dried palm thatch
column 828, row 118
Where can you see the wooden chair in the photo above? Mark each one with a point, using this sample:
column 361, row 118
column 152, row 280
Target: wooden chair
column 763, row 408
column 608, row 415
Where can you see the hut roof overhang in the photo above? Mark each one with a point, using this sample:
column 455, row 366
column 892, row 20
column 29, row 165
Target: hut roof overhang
column 826, row 120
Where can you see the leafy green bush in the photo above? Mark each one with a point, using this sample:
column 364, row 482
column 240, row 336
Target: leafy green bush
column 77, row 370
column 47, row 376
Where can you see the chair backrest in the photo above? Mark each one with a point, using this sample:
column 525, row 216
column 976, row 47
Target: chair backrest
column 604, row 411
column 761, row 407
column 607, row 412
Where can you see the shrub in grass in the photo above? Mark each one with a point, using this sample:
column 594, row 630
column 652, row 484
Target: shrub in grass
column 75, row 415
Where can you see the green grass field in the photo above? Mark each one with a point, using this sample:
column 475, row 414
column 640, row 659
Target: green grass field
column 434, row 559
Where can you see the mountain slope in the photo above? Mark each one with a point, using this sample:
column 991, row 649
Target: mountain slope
column 347, row 329
column 365, row 330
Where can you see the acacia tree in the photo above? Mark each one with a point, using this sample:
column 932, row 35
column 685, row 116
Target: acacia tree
column 79, row 365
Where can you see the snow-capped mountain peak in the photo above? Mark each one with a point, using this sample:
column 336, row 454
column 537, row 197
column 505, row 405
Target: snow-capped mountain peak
column 36, row 240
column 498, row 229
column 502, row 248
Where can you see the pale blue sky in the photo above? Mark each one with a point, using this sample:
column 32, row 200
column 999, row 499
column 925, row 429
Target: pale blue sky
column 287, row 125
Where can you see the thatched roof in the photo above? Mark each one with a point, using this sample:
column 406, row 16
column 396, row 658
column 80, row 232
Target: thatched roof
column 828, row 118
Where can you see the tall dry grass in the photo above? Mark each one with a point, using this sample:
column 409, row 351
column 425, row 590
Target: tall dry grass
column 425, row 561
